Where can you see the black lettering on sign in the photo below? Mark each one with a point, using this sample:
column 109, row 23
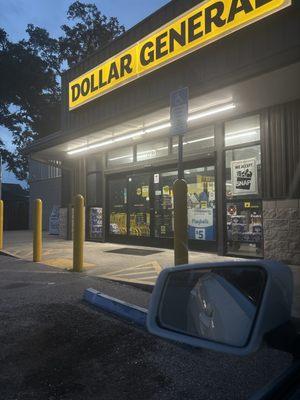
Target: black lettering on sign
column 161, row 44
column 178, row 37
column 125, row 64
column 75, row 91
column 102, row 81
column 194, row 23
column 113, row 72
column 147, row 57
column 213, row 15
column 235, row 8
column 85, row 86
column 93, row 86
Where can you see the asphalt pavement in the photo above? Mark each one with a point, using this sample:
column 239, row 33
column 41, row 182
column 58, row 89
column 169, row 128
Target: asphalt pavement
column 56, row 347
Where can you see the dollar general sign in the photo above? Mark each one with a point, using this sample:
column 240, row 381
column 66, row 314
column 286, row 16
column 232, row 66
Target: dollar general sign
column 201, row 25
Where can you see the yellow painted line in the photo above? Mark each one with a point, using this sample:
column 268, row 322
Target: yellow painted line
column 155, row 265
column 112, row 278
column 151, row 272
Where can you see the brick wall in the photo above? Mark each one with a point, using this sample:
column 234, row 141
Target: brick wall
column 282, row 230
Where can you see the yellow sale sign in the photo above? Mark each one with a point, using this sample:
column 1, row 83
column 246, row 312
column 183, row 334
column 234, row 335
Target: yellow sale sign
column 196, row 28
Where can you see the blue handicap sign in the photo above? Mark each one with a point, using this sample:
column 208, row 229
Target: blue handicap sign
column 179, row 110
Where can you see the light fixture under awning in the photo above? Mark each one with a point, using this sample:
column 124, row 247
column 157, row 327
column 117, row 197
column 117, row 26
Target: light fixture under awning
column 153, row 128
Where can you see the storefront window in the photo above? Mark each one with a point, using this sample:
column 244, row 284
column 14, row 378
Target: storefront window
column 120, row 156
column 196, row 141
column 201, row 203
column 244, row 130
column 243, row 205
column 243, row 172
column 147, row 151
column 118, row 207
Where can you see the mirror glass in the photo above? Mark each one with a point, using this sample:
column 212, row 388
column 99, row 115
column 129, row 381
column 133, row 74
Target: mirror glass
column 217, row 304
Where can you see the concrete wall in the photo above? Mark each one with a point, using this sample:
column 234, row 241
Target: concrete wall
column 282, row 230
column 49, row 190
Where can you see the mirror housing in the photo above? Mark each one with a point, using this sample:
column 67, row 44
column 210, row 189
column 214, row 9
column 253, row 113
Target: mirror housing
column 273, row 309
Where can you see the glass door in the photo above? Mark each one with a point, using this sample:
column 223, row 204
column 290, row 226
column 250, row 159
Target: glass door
column 117, row 189
column 201, row 203
column 164, row 204
column 139, row 205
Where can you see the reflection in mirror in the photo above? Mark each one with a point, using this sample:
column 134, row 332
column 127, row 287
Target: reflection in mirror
column 217, row 304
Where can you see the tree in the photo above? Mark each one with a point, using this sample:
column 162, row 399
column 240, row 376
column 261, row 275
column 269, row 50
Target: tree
column 30, row 75
column 29, row 92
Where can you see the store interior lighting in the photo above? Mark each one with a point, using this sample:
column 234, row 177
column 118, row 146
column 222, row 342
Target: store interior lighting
column 153, row 128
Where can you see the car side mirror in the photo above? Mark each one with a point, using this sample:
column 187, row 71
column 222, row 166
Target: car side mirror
column 226, row 307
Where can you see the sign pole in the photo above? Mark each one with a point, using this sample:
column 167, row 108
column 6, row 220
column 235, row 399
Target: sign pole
column 179, row 117
column 180, row 157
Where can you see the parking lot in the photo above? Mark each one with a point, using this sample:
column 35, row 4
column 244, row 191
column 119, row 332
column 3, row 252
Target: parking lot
column 54, row 346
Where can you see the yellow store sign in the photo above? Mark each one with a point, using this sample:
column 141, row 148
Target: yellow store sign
column 203, row 24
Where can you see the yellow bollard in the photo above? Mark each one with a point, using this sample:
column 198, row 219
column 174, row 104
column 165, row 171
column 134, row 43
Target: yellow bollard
column 78, row 236
column 181, row 253
column 37, row 230
column 1, row 224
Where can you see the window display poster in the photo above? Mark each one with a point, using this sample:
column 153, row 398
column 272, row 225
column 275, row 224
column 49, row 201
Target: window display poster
column 95, row 224
column 201, row 224
column 244, row 177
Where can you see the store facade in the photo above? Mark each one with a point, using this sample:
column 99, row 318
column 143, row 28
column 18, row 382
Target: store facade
column 241, row 152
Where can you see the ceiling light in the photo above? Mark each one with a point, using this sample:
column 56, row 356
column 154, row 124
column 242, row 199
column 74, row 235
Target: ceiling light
column 212, row 111
column 156, row 128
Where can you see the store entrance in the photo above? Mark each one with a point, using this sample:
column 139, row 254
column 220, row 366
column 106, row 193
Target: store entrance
column 141, row 207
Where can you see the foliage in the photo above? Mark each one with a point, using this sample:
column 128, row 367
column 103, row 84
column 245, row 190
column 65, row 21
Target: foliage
column 30, row 76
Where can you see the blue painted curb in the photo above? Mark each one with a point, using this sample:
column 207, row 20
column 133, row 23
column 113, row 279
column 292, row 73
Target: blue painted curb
column 133, row 313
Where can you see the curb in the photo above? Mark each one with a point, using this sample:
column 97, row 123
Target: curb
column 135, row 314
column 142, row 286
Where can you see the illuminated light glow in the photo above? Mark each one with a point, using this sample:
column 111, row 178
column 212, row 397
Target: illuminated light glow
column 121, row 158
column 255, row 128
column 211, row 112
column 156, row 128
column 129, row 136
column 240, row 135
column 200, row 140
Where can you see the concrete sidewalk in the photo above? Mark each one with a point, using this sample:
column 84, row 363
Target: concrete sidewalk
column 97, row 257
column 99, row 262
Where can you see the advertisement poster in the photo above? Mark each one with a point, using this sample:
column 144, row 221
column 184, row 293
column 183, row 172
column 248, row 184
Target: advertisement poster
column 201, row 224
column 244, row 177
column 95, row 224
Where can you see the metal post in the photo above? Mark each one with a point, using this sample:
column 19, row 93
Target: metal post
column 78, row 236
column 180, row 157
column 1, row 224
column 181, row 253
column 37, row 230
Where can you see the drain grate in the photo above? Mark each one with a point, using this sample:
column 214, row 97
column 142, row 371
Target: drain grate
column 134, row 252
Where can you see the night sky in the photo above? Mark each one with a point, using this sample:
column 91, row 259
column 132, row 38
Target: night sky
column 51, row 14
